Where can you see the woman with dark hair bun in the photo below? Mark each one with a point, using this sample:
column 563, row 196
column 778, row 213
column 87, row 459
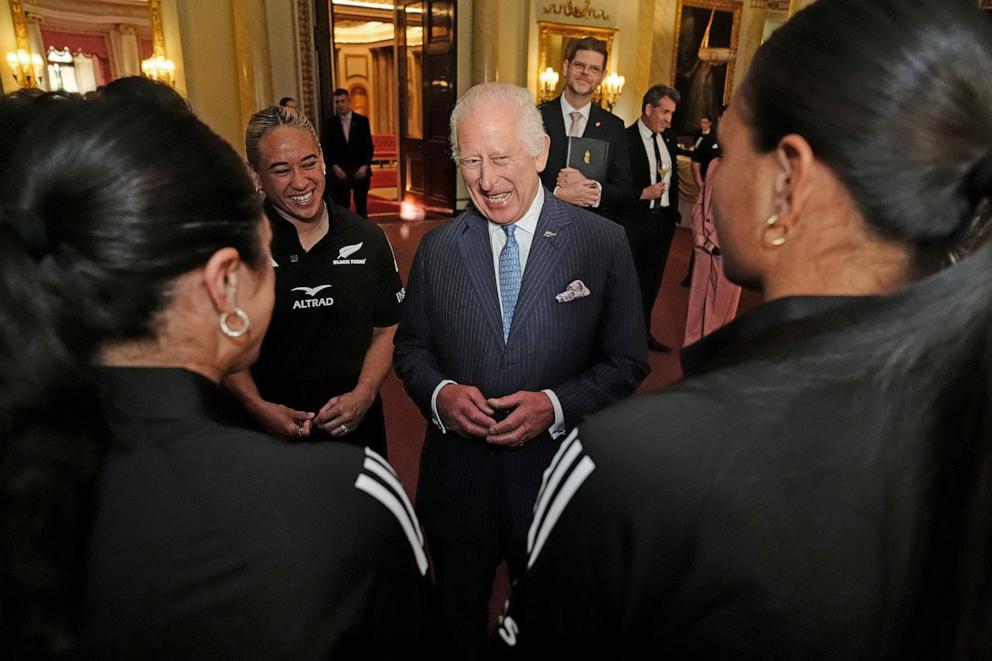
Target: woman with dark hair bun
column 145, row 89
column 820, row 486
column 141, row 518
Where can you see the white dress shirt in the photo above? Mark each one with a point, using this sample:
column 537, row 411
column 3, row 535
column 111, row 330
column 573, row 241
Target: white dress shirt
column 666, row 160
column 524, row 236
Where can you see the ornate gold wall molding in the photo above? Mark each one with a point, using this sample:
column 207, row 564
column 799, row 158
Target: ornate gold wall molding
column 305, row 51
column 570, row 10
column 158, row 35
column 20, row 25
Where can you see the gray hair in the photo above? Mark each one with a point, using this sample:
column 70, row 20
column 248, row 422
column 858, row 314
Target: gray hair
column 655, row 94
column 484, row 97
column 266, row 120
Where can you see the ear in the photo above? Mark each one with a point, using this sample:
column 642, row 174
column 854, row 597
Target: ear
column 220, row 276
column 794, row 161
column 542, row 158
column 255, row 179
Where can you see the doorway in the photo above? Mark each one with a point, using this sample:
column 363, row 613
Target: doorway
column 359, row 57
column 426, row 62
column 397, row 61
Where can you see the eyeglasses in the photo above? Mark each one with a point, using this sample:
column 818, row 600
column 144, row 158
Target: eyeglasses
column 586, row 68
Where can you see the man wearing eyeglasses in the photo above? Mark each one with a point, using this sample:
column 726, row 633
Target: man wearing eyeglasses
column 573, row 114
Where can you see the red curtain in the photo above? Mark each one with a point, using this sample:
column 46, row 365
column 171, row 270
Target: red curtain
column 94, row 45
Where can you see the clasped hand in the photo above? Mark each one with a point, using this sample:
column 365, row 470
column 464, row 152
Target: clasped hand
column 465, row 411
column 342, row 414
column 576, row 188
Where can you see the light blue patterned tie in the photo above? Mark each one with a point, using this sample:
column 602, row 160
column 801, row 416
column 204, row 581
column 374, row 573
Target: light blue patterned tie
column 509, row 277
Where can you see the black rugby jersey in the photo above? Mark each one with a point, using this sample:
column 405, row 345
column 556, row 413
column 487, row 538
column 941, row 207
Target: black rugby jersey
column 327, row 302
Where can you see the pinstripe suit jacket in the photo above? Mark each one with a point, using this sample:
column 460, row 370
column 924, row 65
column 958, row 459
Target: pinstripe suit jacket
column 589, row 351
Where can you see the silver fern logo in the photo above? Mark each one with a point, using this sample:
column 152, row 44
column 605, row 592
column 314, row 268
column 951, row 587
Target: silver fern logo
column 348, row 251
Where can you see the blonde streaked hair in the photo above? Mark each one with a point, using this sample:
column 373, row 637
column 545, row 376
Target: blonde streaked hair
column 270, row 118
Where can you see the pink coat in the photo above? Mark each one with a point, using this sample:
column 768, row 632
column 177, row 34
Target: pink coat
column 712, row 298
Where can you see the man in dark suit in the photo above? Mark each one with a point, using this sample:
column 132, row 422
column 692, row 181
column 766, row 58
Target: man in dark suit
column 348, row 150
column 521, row 317
column 574, row 114
column 651, row 225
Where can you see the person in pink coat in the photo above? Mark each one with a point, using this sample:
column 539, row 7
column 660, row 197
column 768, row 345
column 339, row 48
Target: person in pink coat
column 713, row 298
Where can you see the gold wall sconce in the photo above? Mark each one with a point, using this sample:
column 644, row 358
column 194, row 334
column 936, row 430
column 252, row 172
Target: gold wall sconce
column 548, row 82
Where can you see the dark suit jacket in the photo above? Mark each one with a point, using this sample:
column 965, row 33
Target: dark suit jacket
column 618, row 189
column 640, row 168
column 350, row 154
column 589, row 351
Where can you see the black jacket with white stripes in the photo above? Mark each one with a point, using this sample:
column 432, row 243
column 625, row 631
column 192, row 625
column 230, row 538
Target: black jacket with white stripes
column 755, row 511
column 212, row 541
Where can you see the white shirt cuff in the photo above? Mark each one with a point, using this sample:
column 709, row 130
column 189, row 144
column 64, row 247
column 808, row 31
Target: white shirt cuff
column 435, row 418
column 599, row 198
column 557, row 428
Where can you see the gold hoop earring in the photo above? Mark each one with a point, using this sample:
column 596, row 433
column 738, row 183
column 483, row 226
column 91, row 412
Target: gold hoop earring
column 772, row 224
column 242, row 316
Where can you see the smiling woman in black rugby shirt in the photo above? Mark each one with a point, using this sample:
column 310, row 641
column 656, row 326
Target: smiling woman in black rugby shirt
column 338, row 293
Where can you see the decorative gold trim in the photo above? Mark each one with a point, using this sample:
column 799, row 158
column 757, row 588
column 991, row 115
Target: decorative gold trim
column 158, row 36
column 548, row 29
column 305, row 50
column 720, row 5
column 20, row 25
column 586, row 11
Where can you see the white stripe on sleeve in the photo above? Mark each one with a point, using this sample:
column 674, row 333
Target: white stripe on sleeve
column 410, row 527
column 582, row 470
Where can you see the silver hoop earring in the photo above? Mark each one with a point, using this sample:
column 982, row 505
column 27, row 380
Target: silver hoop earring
column 242, row 316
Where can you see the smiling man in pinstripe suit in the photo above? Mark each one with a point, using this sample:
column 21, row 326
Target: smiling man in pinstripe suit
column 522, row 316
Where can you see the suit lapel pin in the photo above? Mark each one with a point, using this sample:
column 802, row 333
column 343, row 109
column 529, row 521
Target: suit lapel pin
column 597, row 124
column 549, row 234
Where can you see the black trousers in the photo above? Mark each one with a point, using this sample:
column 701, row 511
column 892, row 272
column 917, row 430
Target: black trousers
column 475, row 503
column 343, row 190
column 650, row 235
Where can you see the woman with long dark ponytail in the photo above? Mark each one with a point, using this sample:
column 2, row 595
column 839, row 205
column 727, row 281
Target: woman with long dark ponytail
column 820, row 487
column 140, row 516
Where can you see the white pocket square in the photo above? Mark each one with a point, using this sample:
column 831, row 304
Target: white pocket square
column 576, row 289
